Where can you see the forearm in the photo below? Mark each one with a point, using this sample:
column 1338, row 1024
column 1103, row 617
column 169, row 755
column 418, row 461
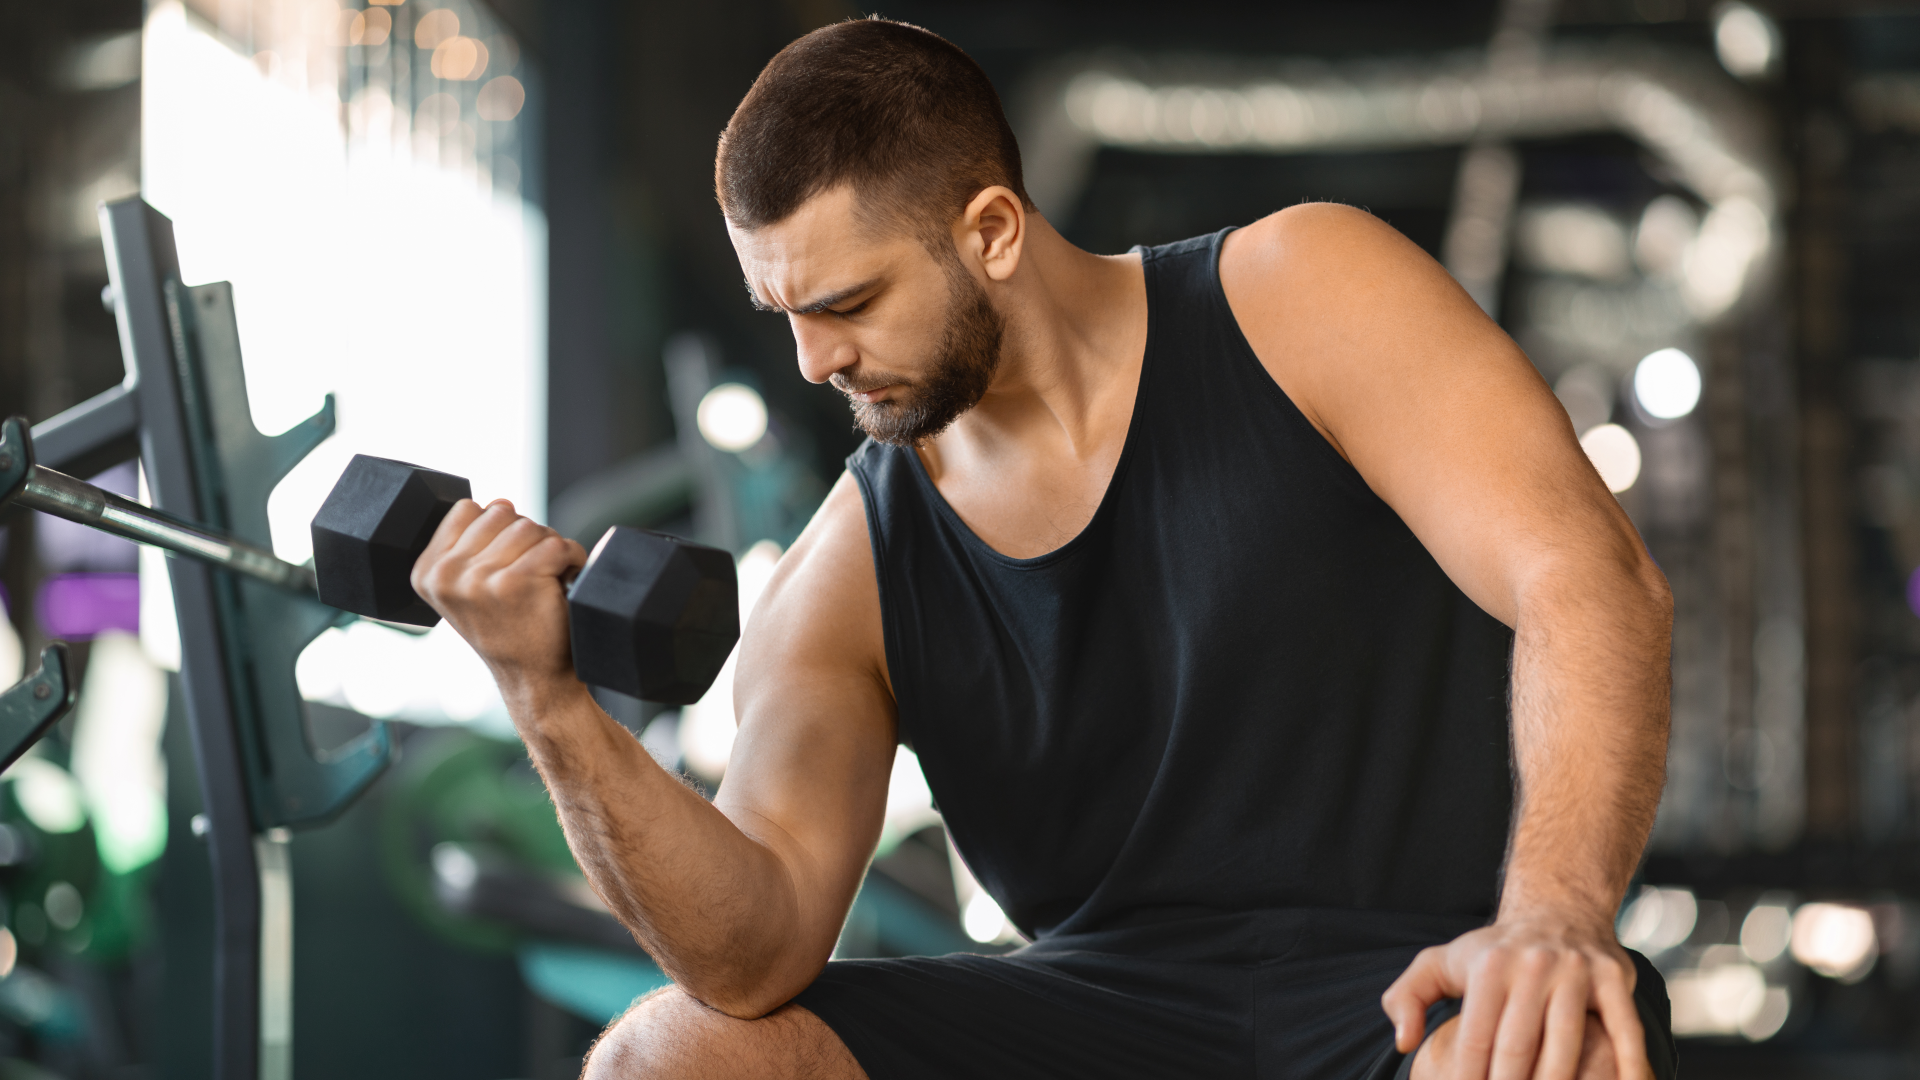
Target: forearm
column 1590, row 699
column 715, row 907
column 1590, row 716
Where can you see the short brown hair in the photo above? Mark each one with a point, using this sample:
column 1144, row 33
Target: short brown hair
column 897, row 111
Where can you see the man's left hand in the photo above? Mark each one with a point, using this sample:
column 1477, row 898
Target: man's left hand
column 1527, row 987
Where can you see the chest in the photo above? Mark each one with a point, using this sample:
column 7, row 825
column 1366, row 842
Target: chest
column 1030, row 505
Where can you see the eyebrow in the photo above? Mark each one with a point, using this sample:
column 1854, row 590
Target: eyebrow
column 815, row 307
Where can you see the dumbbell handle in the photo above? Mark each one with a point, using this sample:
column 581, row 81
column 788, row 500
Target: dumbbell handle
column 76, row 500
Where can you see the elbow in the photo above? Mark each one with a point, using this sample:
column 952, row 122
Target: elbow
column 1624, row 583
column 742, row 1002
column 750, row 994
column 738, row 1006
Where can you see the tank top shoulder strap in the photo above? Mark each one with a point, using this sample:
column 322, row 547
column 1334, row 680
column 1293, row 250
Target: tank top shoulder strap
column 1183, row 283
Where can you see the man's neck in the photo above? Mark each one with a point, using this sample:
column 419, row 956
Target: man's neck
column 1070, row 358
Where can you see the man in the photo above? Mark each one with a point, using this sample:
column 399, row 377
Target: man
column 1189, row 574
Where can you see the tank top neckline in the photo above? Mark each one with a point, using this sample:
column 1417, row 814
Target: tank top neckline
column 1102, row 512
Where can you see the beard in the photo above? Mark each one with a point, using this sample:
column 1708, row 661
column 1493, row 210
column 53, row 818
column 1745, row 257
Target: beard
column 969, row 354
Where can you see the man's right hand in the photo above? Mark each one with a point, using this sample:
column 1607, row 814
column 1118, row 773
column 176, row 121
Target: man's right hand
column 498, row 578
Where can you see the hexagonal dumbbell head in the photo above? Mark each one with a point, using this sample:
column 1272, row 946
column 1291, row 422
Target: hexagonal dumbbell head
column 653, row 616
column 372, row 529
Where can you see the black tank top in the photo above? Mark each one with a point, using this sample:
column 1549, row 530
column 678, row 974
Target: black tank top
column 1245, row 686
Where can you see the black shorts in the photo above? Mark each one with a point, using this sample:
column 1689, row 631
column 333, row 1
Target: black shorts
column 1171, row 999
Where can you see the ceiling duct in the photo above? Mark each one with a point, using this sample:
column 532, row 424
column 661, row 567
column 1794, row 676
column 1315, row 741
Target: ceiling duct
column 1703, row 128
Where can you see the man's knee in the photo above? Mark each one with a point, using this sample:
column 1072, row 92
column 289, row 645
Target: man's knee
column 670, row 1034
column 1597, row 1061
column 633, row 1045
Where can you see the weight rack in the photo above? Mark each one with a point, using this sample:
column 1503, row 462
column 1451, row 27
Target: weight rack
column 183, row 412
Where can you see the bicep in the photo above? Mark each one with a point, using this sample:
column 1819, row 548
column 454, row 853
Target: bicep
column 809, row 769
column 1433, row 404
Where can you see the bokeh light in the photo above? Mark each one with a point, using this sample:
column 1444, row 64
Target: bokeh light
column 1667, row 384
column 435, row 27
column 1766, row 932
column 459, row 58
column 1587, row 393
column 64, row 905
column 1615, row 455
column 387, row 674
column 1722, row 996
column 1575, row 239
column 1836, row 940
column 500, row 99
column 47, row 794
column 732, row 417
column 1747, row 42
column 983, row 919
column 370, row 27
column 1667, row 227
column 13, row 659
column 116, row 755
column 1658, row 919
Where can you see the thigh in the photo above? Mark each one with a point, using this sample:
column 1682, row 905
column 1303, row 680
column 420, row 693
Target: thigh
column 1037, row 1016
column 669, row 1034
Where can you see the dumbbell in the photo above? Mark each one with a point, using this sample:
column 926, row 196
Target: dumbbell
column 650, row 615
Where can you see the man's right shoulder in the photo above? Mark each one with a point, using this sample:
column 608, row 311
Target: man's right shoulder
column 837, row 533
column 822, row 605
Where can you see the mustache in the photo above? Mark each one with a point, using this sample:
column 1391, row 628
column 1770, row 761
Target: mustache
column 857, row 384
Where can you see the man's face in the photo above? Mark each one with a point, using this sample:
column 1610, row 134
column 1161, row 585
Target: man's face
column 910, row 338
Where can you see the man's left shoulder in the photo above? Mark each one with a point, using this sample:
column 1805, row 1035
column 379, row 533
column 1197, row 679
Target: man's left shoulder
column 1323, row 246
column 1354, row 321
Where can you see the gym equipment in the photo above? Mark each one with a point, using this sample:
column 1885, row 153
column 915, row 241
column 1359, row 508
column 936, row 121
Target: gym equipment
column 375, row 524
column 36, row 487
column 653, row 616
column 35, row 704
column 650, row 615
column 184, row 409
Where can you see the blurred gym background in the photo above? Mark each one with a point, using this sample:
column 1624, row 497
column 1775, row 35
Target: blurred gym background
column 488, row 229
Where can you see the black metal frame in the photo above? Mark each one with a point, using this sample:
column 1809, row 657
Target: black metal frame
column 141, row 258
column 35, row 704
column 184, row 410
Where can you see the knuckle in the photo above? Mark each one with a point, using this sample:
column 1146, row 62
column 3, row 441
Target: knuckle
column 1614, row 970
column 1539, row 959
column 1492, row 963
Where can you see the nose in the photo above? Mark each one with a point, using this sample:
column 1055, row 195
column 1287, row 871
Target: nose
column 821, row 350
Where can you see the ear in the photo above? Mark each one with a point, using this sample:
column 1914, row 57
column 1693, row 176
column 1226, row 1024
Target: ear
column 993, row 230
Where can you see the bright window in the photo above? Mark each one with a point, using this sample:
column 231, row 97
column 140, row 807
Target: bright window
column 357, row 176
